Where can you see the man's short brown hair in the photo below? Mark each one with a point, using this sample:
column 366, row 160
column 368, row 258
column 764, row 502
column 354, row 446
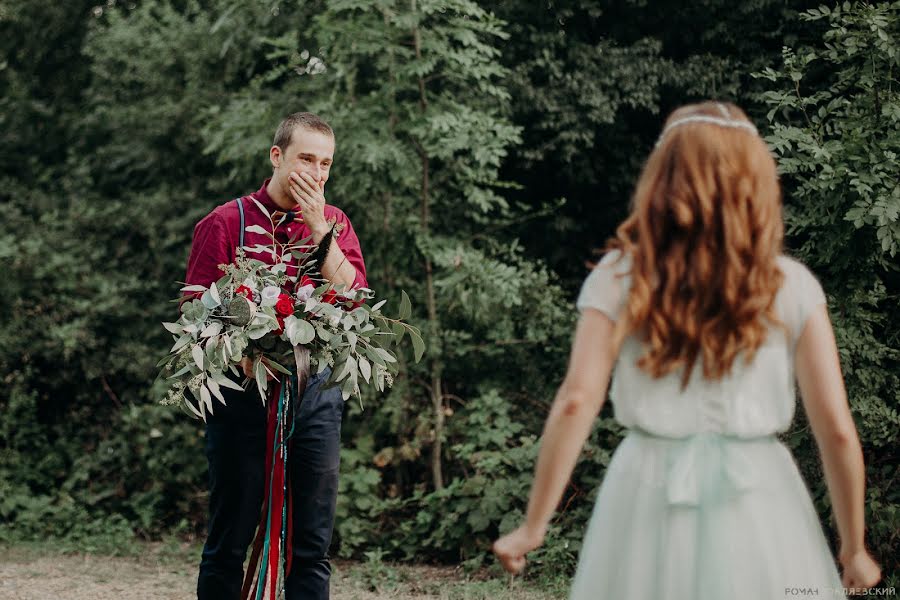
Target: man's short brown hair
column 301, row 119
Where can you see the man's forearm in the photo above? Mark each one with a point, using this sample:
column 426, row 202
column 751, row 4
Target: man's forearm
column 336, row 268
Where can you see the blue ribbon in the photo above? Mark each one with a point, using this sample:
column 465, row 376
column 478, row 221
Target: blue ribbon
column 279, row 439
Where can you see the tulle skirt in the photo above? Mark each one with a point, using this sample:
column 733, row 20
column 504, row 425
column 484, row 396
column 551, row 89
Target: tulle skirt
column 708, row 517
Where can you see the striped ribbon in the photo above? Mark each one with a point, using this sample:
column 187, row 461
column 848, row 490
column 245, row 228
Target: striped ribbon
column 270, row 560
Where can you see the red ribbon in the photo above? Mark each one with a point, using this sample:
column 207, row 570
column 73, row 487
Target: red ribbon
column 276, row 500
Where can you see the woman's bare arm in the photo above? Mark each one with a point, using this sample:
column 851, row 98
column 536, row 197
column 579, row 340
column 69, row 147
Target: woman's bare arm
column 825, row 400
column 577, row 404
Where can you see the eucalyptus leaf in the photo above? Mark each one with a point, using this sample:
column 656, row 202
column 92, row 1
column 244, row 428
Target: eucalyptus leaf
column 375, row 356
column 212, row 329
column 213, row 386
column 224, row 381
column 214, row 293
column 181, row 343
column 365, row 368
column 208, row 300
column 275, row 365
column 346, row 368
column 173, row 328
column 197, row 354
column 256, row 229
column 261, row 207
column 347, row 389
column 180, row 372
column 299, row 331
column 418, row 344
column 259, row 372
column 405, row 306
column 190, row 406
column 205, row 398
column 387, row 356
column 323, row 333
column 306, row 332
column 257, row 332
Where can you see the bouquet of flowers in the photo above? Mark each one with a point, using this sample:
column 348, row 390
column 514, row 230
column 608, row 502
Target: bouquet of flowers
column 279, row 314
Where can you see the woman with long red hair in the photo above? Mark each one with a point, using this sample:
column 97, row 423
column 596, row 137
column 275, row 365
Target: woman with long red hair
column 708, row 325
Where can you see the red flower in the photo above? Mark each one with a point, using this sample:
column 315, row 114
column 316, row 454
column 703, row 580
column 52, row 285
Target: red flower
column 285, row 305
column 330, row 296
column 244, row 291
column 280, row 329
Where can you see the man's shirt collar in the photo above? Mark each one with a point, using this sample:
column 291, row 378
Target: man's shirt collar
column 262, row 195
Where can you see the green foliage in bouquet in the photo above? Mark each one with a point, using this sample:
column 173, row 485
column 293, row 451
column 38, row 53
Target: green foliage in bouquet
column 258, row 309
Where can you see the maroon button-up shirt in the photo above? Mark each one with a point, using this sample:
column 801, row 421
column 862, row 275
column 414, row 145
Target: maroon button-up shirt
column 217, row 235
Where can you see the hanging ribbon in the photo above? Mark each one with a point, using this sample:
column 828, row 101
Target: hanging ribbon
column 270, row 559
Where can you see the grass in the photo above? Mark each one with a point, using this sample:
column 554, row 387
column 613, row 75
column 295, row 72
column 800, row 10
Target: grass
column 176, row 560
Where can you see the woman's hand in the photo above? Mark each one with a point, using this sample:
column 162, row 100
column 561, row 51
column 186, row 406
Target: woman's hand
column 512, row 548
column 860, row 570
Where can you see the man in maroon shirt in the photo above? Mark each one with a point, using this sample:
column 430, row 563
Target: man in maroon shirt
column 301, row 155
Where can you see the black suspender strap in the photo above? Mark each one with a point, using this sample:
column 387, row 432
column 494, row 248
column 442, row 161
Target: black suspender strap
column 241, row 210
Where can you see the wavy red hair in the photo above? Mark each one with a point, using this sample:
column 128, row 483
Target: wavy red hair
column 704, row 234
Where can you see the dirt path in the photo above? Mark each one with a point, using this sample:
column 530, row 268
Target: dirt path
column 30, row 574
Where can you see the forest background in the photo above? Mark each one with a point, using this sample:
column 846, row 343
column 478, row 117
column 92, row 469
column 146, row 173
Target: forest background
column 484, row 151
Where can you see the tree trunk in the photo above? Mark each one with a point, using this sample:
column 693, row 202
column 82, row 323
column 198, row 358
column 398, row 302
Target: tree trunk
column 437, row 398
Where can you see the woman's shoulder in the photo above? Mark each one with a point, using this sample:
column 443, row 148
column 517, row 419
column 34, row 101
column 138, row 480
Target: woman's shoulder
column 791, row 265
column 800, row 293
column 797, row 275
column 605, row 287
column 616, row 261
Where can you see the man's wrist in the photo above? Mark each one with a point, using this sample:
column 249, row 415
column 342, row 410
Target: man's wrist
column 319, row 233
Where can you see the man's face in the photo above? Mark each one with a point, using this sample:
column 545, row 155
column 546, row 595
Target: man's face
column 310, row 152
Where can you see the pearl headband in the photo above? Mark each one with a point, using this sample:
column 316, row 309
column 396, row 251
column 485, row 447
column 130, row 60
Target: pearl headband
column 721, row 122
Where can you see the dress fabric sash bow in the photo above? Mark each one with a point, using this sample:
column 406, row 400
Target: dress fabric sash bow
column 707, row 473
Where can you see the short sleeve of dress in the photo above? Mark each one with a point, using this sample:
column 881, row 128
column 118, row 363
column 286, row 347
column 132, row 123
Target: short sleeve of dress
column 805, row 297
column 605, row 288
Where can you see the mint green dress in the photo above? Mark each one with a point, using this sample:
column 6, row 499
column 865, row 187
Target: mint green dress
column 701, row 500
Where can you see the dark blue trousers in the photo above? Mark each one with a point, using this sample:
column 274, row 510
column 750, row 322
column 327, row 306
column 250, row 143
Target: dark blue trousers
column 235, row 449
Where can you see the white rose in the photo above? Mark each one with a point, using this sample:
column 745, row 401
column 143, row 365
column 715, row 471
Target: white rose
column 305, row 293
column 270, row 295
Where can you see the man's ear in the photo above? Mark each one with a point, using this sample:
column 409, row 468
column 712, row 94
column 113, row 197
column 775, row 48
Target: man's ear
column 275, row 156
